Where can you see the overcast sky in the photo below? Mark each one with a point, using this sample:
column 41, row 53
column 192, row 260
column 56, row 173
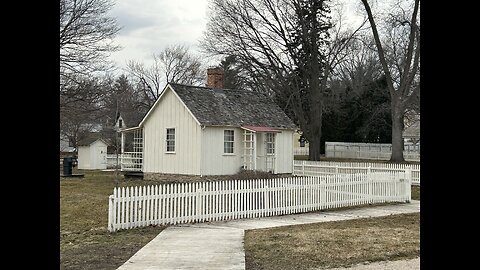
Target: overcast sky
column 151, row 25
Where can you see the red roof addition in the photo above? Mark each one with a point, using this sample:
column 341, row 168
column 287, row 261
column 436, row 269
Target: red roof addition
column 260, row 129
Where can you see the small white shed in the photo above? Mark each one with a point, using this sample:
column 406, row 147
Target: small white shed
column 92, row 154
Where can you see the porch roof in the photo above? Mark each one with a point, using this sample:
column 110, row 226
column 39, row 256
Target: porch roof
column 261, row 129
column 130, row 129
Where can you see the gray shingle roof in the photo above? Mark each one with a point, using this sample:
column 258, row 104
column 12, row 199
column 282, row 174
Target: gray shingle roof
column 130, row 119
column 89, row 140
column 225, row 107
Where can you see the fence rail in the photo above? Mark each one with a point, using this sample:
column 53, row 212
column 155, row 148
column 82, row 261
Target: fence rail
column 302, row 151
column 313, row 168
column 112, row 161
column 131, row 207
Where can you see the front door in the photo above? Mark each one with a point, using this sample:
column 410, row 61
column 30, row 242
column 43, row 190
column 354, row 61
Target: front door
column 270, row 152
column 100, row 158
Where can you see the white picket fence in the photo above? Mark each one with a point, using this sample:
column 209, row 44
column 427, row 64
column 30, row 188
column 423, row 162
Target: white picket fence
column 112, row 161
column 131, row 207
column 301, row 151
column 313, row 168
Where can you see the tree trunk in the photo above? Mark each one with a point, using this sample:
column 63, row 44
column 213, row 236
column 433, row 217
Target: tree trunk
column 397, row 138
column 314, row 148
column 315, row 132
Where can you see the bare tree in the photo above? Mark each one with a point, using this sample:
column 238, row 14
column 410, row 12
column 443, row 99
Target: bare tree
column 287, row 48
column 360, row 64
column 149, row 80
column 82, row 116
column 80, row 90
column 86, row 36
column 181, row 66
column 399, row 56
column 175, row 64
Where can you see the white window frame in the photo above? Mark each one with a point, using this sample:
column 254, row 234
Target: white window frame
column 167, row 140
column 232, row 142
column 270, row 143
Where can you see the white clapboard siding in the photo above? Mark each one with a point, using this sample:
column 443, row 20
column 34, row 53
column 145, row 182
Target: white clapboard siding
column 311, row 168
column 131, row 207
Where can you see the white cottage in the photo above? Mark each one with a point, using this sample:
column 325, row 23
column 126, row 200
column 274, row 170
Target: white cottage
column 92, row 154
column 210, row 131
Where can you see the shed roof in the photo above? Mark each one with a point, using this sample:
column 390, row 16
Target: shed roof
column 226, row 107
column 130, row 119
column 89, row 140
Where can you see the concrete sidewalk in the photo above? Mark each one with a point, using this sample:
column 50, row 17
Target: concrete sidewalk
column 219, row 245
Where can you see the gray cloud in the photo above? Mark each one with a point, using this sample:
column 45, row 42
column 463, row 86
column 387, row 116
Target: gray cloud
column 130, row 21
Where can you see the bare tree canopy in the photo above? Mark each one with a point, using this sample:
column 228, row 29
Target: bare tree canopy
column 399, row 54
column 175, row 64
column 288, row 48
column 86, row 35
column 82, row 110
column 360, row 64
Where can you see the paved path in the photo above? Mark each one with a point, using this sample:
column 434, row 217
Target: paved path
column 413, row 264
column 219, row 245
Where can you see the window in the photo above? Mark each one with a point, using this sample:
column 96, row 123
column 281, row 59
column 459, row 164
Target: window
column 228, row 139
column 170, row 140
column 120, row 123
column 270, row 141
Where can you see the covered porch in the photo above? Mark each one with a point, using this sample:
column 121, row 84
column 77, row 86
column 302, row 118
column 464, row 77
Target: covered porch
column 131, row 155
column 259, row 148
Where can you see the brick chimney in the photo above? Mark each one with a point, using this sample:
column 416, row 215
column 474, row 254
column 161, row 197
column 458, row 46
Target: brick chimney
column 215, row 77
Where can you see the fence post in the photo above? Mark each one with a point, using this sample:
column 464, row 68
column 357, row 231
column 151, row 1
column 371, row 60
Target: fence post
column 370, row 184
column 336, row 169
column 266, row 201
column 408, row 183
column 110, row 213
column 197, row 204
column 303, row 167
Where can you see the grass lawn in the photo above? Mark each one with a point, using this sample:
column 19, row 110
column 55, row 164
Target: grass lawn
column 333, row 244
column 85, row 242
column 416, row 193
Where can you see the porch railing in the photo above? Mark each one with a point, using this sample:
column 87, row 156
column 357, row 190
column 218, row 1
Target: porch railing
column 132, row 161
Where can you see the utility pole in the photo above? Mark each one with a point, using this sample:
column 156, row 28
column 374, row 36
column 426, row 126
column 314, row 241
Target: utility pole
column 116, row 141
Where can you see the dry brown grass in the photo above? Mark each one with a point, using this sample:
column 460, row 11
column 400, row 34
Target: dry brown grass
column 333, row 244
column 416, row 193
column 85, row 242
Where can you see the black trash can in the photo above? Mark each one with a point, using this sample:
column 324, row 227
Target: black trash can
column 67, row 166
